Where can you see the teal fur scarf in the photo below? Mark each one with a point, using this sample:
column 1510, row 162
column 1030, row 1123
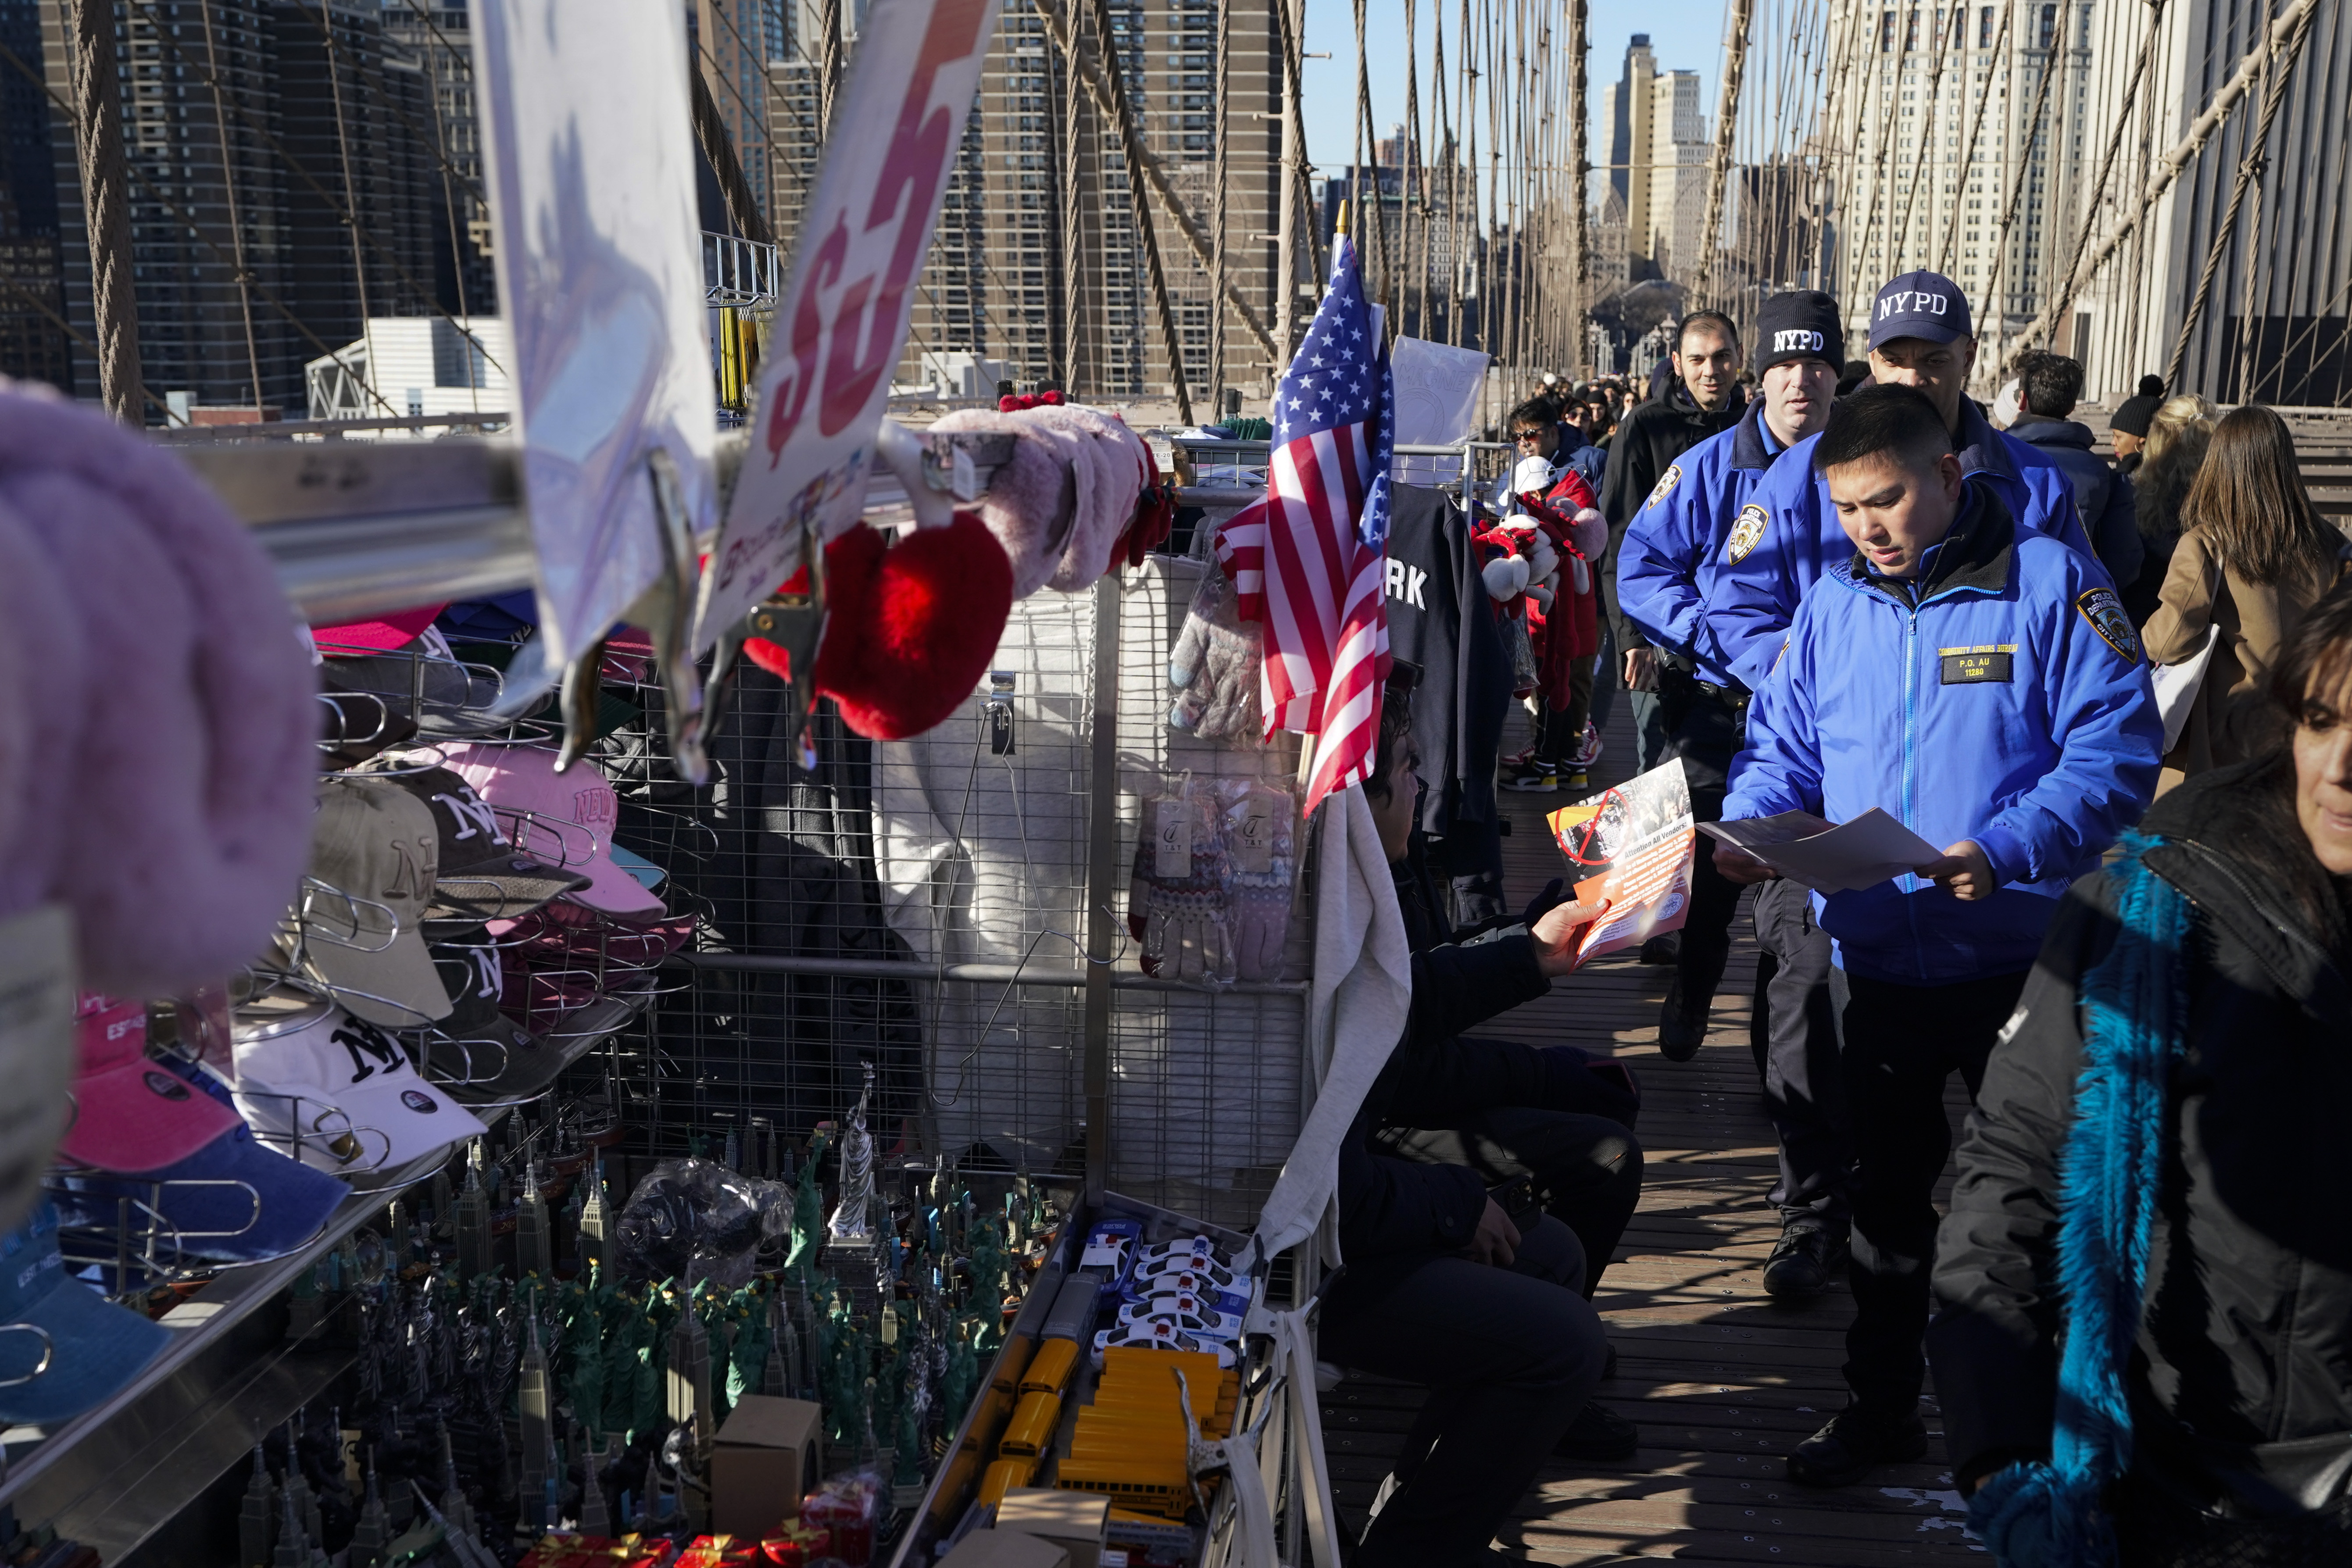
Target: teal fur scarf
column 2048, row 1515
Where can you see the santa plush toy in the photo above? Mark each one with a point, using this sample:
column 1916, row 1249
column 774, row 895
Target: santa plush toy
column 1554, row 538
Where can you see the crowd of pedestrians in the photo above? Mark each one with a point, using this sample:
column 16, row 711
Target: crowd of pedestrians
column 2114, row 690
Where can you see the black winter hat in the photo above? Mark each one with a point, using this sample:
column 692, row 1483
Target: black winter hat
column 2135, row 415
column 1800, row 324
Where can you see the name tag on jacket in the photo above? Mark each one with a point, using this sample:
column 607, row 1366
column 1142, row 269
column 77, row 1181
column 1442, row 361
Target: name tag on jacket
column 1988, row 661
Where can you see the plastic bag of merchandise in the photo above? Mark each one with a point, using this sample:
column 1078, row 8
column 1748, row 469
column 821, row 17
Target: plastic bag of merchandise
column 692, row 1220
column 1213, row 669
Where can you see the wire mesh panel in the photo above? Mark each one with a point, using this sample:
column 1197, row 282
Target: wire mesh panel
column 981, row 843
column 1205, row 1080
column 922, row 905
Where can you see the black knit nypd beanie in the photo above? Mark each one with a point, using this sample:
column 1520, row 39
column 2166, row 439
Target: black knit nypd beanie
column 1800, row 324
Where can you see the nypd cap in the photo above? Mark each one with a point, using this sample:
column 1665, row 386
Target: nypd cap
column 1921, row 305
column 1800, row 324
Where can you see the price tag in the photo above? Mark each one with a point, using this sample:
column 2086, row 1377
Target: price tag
column 1171, row 849
column 1252, row 825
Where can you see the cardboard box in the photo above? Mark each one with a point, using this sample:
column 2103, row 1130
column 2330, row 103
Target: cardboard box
column 1004, row 1549
column 767, row 1453
column 1074, row 1521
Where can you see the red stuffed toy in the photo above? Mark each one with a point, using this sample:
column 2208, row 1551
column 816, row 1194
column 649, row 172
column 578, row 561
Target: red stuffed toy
column 1569, row 629
column 909, row 627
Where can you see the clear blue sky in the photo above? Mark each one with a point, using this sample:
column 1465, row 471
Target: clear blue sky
column 1687, row 35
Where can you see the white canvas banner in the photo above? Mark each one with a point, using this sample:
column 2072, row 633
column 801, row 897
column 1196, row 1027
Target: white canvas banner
column 842, row 321
column 592, row 170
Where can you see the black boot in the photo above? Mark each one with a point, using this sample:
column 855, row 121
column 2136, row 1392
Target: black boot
column 1805, row 1261
column 1597, row 1433
column 1682, row 1021
column 1856, row 1441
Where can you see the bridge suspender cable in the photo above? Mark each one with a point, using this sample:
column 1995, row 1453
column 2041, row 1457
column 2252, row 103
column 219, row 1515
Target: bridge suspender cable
column 2274, row 94
column 2184, row 151
column 1719, row 163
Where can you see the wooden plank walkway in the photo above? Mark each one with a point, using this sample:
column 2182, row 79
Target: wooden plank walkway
column 1721, row 1380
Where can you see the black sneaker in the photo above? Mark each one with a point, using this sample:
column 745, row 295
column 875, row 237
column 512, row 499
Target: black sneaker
column 1662, row 949
column 1533, row 778
column 1854, row 1443
column 1598, row 1435
column 1804, row 1262
column 1682, row 1022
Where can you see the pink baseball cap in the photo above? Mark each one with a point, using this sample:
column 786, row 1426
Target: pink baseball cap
column 561, row 819
column 383, row 634
column 130, row 1115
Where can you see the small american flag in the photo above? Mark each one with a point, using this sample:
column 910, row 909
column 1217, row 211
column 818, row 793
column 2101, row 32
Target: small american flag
column 1310, row 561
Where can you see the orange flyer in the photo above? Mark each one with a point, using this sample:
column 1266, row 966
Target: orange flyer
column 1631, row 844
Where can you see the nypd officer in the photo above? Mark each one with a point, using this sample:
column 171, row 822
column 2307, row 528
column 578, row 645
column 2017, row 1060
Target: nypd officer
column 1663, row 579
column 1980, row 681
column 1920, row 337
column 1664, row 569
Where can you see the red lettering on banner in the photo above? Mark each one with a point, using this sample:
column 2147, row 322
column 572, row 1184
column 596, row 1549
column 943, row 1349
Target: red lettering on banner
column 808, row 331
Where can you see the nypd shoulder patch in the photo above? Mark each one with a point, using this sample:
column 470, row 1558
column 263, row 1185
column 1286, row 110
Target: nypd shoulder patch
column 2104, row 611
column 1665, row 485
column 1746, row 530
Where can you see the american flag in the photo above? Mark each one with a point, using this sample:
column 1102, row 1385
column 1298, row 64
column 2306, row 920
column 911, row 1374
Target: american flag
column 1310, row 561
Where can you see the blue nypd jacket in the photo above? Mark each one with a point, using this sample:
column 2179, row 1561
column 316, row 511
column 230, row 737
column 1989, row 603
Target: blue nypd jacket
column 1789, row 534
column 1667, row 564
column 2010, row 704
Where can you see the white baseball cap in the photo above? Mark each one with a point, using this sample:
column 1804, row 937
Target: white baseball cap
column 340, row 1094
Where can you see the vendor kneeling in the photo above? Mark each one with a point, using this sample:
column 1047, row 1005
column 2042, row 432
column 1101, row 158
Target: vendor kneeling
column 1442, row 1285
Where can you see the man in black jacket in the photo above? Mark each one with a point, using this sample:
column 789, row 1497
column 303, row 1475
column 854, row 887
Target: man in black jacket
column 1703, row 400
column 2048, row 385
column 1443, row 1284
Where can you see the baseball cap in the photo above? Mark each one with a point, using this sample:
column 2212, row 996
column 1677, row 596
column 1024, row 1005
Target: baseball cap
column 232, row 1201
column 648, row 875
column 359, row 725
column 1800, row 323
column 454, row 698
column 385, row 632
column 339, row 1094
column 64, row 1347
column 481, row 876
column 477, row 1053
column 1919, row 305
column 378, row 845
column 129, row 1113
column 564, row 817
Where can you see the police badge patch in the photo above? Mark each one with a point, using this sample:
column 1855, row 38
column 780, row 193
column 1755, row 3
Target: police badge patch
column 1665, row 485
column 1746, row 530
column 2106, row 613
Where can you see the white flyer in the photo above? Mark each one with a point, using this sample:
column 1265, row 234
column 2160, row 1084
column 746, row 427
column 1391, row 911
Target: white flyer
column 1843, row 858
column 841, row 322
column 600, row 273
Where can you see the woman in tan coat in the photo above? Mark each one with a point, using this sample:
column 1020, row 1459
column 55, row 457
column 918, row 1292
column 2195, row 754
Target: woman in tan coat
column 2252, row 557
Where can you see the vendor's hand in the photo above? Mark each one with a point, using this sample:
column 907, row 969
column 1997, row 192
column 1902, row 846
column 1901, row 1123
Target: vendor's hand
column 1556, row 933
column 1965, row 868
column 1737, row 864
column 1496, row 1239
column 1642, row 670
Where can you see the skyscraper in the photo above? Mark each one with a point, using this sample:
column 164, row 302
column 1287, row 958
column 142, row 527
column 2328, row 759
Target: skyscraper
column 1657, row 162
column 1038, row 260
column 254, row 129
column 34, row 343
column 1946, row 128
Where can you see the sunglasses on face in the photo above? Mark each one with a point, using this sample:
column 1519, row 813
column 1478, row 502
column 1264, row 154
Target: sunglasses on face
column 1526, row 436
